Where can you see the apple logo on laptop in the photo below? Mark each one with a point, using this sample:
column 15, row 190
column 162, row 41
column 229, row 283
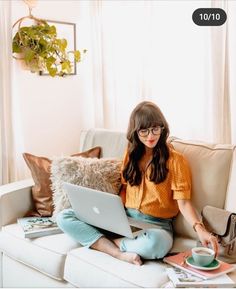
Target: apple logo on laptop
column 96, row 210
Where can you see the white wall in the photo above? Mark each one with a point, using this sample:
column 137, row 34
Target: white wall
column 49, row 119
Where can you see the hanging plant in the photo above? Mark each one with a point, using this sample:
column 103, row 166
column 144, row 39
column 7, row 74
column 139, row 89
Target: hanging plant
column 40, row 49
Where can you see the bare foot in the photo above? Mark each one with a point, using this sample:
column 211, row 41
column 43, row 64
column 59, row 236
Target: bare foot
column 105, row 245
column 132, row 258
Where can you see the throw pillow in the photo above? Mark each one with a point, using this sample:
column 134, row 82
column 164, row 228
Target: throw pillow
column 40, row 171
column 101, row 174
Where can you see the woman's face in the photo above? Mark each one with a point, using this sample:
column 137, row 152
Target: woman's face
column 150, row 136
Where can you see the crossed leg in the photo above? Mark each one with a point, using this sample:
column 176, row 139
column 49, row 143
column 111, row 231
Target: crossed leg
column 105, row 245
column 148, row 244
column 91, row 237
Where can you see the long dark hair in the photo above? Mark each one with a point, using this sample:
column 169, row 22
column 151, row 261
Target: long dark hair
column 146, row 114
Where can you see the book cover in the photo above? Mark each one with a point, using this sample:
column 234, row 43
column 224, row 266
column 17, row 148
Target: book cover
column 179, row 259
column 183, row 279
column 34, row 227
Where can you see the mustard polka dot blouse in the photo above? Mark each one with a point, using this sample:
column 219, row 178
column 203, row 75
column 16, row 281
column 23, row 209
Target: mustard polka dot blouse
column 160, row 200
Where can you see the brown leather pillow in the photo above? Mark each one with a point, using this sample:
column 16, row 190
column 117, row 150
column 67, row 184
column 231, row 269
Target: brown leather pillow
column 40, row 171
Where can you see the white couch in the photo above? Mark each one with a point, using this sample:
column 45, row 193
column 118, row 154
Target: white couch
column 57, row 261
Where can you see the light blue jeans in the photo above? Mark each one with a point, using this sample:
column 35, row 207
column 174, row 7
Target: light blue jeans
column 148, row 243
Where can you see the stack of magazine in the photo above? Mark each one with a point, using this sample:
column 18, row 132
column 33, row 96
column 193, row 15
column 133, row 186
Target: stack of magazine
column 34, row 227
column 183, row 275
column 181, row 279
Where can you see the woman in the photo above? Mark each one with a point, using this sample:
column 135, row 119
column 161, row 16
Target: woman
column 157, row 185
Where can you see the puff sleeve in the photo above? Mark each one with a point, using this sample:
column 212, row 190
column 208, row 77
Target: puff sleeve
column 181, row 178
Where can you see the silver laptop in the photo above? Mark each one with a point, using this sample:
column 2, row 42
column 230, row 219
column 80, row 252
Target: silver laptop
column 103, row 210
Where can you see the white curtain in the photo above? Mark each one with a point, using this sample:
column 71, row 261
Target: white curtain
column 221, row 112
column 232, row 66
column 145, row 50
column 7, row 168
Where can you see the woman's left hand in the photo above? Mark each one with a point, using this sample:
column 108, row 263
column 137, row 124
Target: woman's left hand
column 207, row 238
column 190, row 215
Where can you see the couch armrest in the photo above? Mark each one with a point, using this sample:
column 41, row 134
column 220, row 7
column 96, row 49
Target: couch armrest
column 15, row 201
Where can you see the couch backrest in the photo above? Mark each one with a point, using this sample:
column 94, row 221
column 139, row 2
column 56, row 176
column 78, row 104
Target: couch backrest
column 212, row 167
column 113, row 143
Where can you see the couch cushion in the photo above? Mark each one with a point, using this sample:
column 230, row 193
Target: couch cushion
column 40, row 170
column 82, row 263
column 46, row 254
column 89, row 268
column 27, row 277
column 210, row 166
column 100, row 174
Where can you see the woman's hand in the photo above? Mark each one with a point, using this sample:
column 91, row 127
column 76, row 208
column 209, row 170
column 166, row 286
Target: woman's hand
column 207, row 238
column 190, row 215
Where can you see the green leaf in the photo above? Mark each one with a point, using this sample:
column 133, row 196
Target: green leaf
column 16, row 48
column 29, row 55
column 25, row 29
column 43, row 45
column 53, row 30
column 51, row 59
column 63, row 43
column 66, row 66
column 77, row 55
column 52, row 71
column 16, row 37
column 50, row 63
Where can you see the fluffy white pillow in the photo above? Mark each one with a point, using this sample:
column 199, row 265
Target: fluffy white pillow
column 100, row 174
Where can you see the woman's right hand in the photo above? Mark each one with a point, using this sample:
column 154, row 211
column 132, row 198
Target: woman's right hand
column 206, row 238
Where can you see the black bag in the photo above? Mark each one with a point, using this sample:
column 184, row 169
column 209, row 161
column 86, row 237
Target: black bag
column 222, row 224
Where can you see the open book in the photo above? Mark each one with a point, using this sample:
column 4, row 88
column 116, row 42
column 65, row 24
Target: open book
column 182, row 279
column 179, row 261
column 34, row 227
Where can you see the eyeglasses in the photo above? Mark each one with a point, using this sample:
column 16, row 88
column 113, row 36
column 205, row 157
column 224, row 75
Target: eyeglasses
column 146, row 131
